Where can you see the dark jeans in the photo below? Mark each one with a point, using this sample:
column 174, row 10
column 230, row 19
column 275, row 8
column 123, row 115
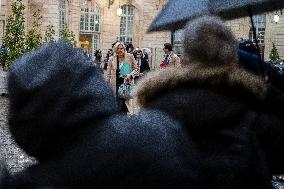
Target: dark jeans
column 120, row 102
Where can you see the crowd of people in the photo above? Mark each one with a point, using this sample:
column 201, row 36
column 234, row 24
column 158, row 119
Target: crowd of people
column 207, row 124
column 122, row 65
column 125, row 64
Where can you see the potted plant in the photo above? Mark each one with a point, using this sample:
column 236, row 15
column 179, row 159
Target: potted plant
column 274, row 56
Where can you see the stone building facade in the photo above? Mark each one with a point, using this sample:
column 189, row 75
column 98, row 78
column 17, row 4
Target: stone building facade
column 268, row 31
column 95, row 23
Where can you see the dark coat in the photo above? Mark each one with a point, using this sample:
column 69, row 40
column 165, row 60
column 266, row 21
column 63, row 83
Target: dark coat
column 144, row 67
column 250, row 62
column 234, row 121
column 207, row 135
column 63, row 113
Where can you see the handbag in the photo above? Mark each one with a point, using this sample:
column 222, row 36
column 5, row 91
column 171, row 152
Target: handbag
column 166, row 62
column 124, row 90
column 164, row 65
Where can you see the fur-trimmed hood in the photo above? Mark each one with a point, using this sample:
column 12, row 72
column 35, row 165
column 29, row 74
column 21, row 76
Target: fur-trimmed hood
column 202, row 96
column 226, row 76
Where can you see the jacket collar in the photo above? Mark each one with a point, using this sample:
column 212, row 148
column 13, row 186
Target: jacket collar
column 214, row 76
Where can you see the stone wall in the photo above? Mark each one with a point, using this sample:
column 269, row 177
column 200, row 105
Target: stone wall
column 274, row 33
column 145, row 12
column 240, row 27
column 13, row 156
column 50, row 16
column 2, row 18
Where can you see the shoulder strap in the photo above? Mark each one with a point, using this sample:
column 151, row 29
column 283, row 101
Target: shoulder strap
column 117, row 74
column 117, row 68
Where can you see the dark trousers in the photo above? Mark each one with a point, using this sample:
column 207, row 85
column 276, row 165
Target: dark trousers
column 120, row 102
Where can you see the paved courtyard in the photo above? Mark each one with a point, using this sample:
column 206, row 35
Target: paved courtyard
column 14, row 157
column 3, row 82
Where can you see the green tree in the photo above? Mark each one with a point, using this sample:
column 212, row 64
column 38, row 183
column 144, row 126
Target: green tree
column 274, row 56
column 14, row 37
column 67, row 36
column 33, row 37
column 49, row 34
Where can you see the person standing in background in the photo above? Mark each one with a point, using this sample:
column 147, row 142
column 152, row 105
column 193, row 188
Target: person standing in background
column 129, row 48
column 121, row 69
column 234, row 120
column 87, row 53
column 143, row 67
column 98, row 58
column 170, row 58
column 108, row 55
column 3, row 56
column 142, row 63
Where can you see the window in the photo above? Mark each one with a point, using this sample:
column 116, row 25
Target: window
column 126, row 24
column 95, row 42
column 90, row 19
column 62, row 14
column 177, row 37
column 260, row 24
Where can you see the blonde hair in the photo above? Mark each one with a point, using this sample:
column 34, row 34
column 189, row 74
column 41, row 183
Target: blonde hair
column 116, row 46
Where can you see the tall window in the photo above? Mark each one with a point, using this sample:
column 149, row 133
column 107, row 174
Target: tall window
column 62, row 14
column 126, row 23
column 95, row 42
column 90, row 18
column 260, row 24
column 177, row 38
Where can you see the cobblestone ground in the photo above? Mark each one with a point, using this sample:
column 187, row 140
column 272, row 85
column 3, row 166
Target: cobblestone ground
column 14, row 157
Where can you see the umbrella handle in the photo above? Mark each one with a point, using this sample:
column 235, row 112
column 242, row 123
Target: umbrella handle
column 257, row 45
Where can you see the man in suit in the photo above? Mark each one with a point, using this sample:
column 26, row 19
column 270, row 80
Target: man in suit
column 142, row 63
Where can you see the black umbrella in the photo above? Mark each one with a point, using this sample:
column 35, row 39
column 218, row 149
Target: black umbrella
column 176, row 13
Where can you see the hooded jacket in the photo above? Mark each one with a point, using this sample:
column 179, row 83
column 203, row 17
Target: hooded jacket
column 202, row 127
column 63, row 113
column 54, row 92
column 234, row 119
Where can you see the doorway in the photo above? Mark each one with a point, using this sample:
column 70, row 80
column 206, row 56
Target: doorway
column 86, row 41
column 91, row 41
